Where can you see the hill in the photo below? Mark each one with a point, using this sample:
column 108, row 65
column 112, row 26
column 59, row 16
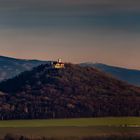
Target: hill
column 10, row 67
column 74, row 91
column 128, row 75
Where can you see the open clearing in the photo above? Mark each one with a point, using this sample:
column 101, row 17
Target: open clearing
column 72, row 127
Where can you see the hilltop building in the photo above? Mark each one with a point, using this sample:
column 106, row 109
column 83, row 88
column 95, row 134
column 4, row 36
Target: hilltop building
column 58, row 64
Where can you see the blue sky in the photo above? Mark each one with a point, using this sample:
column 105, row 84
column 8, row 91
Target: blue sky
column 106, row 31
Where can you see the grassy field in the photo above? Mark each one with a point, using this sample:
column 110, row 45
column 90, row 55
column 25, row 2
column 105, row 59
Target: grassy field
column 109, row 121
column 72, row 127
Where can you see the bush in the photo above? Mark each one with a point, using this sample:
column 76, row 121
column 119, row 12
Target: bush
column 14, row 137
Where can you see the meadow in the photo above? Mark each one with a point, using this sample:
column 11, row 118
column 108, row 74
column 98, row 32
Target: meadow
column 89, row 127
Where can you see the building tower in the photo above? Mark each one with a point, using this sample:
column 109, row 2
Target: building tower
column 58, row 64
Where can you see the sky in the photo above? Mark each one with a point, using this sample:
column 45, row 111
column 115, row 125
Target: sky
column 103, row 31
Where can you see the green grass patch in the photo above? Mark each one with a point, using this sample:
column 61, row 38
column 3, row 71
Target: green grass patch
column 84, row 127
column 107, row 121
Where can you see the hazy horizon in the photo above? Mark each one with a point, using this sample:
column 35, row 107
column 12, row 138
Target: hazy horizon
column 104, row 31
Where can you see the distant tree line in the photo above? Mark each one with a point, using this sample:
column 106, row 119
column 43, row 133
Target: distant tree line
column 111, row 137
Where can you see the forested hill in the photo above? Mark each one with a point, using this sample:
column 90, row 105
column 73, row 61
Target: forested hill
column 74, row 91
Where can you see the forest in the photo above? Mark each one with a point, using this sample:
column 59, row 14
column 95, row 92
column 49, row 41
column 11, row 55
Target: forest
column 72, row 92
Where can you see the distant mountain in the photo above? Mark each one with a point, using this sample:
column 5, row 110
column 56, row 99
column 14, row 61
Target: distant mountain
column 74, row 91
column 10, row 67
column 129, row 75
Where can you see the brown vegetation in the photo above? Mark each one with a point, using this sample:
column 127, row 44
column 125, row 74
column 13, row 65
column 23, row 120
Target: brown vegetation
column 17, row 137
column 65, row 93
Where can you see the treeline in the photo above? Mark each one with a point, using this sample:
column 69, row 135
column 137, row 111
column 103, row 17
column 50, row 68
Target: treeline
column 72, row 92
column 120, row 137
column 42, row 109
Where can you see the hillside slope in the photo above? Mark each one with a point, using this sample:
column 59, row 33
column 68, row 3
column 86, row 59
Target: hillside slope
column 10, row 67
column 63, row 93
column 129, row 75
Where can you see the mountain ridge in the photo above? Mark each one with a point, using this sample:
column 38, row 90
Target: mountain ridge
column 71, row 92
column 10, row 67
column 132, row 76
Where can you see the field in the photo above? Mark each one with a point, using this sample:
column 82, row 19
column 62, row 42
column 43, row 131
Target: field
column 72, row 127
